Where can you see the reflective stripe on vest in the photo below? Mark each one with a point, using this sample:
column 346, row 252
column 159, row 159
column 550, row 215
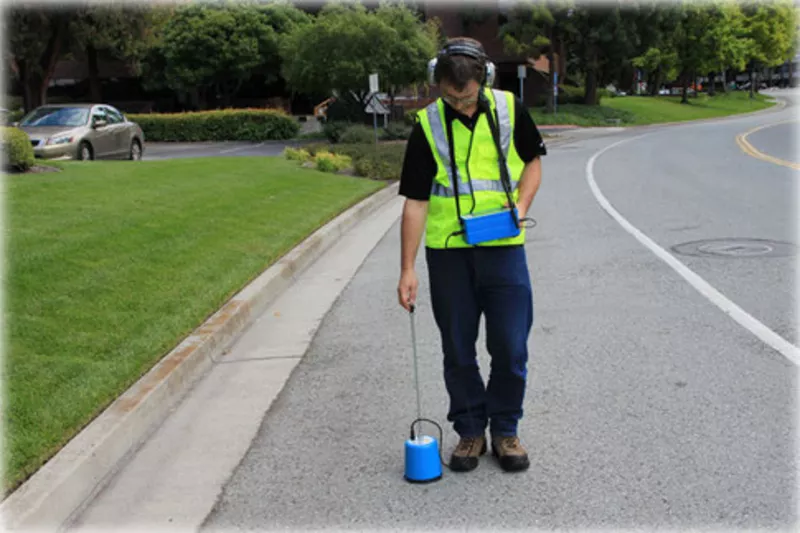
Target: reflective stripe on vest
column 442, row 147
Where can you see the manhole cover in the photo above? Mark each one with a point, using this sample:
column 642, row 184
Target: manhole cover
column 735, row 247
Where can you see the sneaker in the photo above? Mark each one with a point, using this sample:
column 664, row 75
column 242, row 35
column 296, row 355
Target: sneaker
column 465, row 456
column 510, row 453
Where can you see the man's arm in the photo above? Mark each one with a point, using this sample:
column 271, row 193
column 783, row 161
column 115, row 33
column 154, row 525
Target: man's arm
column 529, row 184
column 412, row 226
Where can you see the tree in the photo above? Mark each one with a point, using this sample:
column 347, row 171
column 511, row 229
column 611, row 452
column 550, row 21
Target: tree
column 208, row 51
column 536, row 29
column 603, row 41
column 772, row 30
column 656, row 54
column 36, row 42
column 691, row 46
column 119, row 32
column 726, row 40
column 408, row 55
column 346, row 43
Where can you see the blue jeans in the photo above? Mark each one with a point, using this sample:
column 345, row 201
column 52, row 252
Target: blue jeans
column 464, row 284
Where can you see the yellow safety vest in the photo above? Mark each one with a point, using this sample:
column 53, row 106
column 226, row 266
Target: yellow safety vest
column 482, row 176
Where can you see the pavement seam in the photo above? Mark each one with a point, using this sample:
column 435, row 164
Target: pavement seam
column 63, row 486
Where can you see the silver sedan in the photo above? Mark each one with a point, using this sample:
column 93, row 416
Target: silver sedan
column 82, row 131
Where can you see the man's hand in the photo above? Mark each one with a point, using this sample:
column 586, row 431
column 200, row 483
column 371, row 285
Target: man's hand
column 411, row 229
column 407, row 289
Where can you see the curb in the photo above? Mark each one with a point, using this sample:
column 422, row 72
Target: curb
column 67, row 482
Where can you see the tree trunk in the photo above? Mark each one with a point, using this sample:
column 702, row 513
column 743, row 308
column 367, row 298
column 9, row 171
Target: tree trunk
column 694, row 83
column 752, row 82
column 95, row 90
column 791, row 75
column 685, row 83
column 590, row 97
column 553, row 69
column 712, row 83
column 725, row 80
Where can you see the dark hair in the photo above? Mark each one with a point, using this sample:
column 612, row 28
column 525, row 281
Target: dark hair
column 459, row 69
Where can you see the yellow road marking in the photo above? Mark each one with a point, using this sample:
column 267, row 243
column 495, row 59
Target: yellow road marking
column 750, row 150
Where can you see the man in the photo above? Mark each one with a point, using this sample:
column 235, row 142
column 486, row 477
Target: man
column 457, row 139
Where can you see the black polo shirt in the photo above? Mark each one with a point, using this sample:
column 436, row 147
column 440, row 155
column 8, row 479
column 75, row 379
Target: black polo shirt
column 419, row 165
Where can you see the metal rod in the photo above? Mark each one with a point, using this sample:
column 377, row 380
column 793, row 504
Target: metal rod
column 416, row 371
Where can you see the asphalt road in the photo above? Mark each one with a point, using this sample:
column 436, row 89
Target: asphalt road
column 778, row 140
column 648, row 406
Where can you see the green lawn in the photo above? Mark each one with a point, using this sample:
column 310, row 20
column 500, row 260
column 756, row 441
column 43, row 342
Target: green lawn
column 643, row 110
column 111, row 264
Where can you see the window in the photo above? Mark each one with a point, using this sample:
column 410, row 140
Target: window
column 114, row 116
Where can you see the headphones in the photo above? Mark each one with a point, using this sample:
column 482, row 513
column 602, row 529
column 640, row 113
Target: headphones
column 464, row 48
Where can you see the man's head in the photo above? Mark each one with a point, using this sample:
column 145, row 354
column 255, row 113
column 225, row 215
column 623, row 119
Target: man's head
column 460, row 71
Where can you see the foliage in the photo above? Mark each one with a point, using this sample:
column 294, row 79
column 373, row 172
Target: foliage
column 225, row 125
column 346, row 43
column 358, row 133
column 396, row 131
column 212, row 47
column 296, row 154
column 329, row 162
column 17, row 149
column 335, row 129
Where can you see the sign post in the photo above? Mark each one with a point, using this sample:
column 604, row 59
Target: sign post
column 373, row 89
column 521, row 72
column 555, row 92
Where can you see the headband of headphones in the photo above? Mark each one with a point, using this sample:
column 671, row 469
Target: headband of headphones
column 464, row 48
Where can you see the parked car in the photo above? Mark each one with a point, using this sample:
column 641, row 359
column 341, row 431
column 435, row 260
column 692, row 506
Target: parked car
column 82, row 131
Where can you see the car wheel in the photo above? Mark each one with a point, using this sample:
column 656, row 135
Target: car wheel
column 136, row 151
column 85, row 152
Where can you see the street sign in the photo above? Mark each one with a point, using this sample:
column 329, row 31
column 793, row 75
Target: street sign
column 373, row 83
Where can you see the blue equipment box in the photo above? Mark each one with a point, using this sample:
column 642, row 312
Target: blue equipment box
column 483, row 227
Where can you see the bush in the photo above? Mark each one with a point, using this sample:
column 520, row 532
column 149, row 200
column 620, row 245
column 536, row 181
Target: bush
column 334, row 130
column 396, row 132
column 224, row 125
column 293, row 154
column 328, row 162
column 383, row 162
column 357, row 134
column 569, row 94
column 410, row 117
column 17, row 149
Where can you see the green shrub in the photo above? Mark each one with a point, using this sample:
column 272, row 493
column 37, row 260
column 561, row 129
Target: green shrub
column 396, row 131
column 223, row 125
column 17, row 149
column 313, row 148
column 357, row 133
column 410, row 117
column 293, row 154
column 384, row 162
column 329, row 162
column 334, row 130
column 569, row 94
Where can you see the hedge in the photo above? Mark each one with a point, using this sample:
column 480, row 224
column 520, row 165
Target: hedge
column 222, row 125
column 17, row 149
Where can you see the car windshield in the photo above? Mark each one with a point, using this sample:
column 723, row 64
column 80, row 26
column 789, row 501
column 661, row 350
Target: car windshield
column 57, row 116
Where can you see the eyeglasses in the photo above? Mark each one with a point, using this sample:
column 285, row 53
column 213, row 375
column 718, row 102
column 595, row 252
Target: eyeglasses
column 460, row 102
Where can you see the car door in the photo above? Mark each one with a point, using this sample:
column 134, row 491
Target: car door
column 101, row 137
column 118, row 132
